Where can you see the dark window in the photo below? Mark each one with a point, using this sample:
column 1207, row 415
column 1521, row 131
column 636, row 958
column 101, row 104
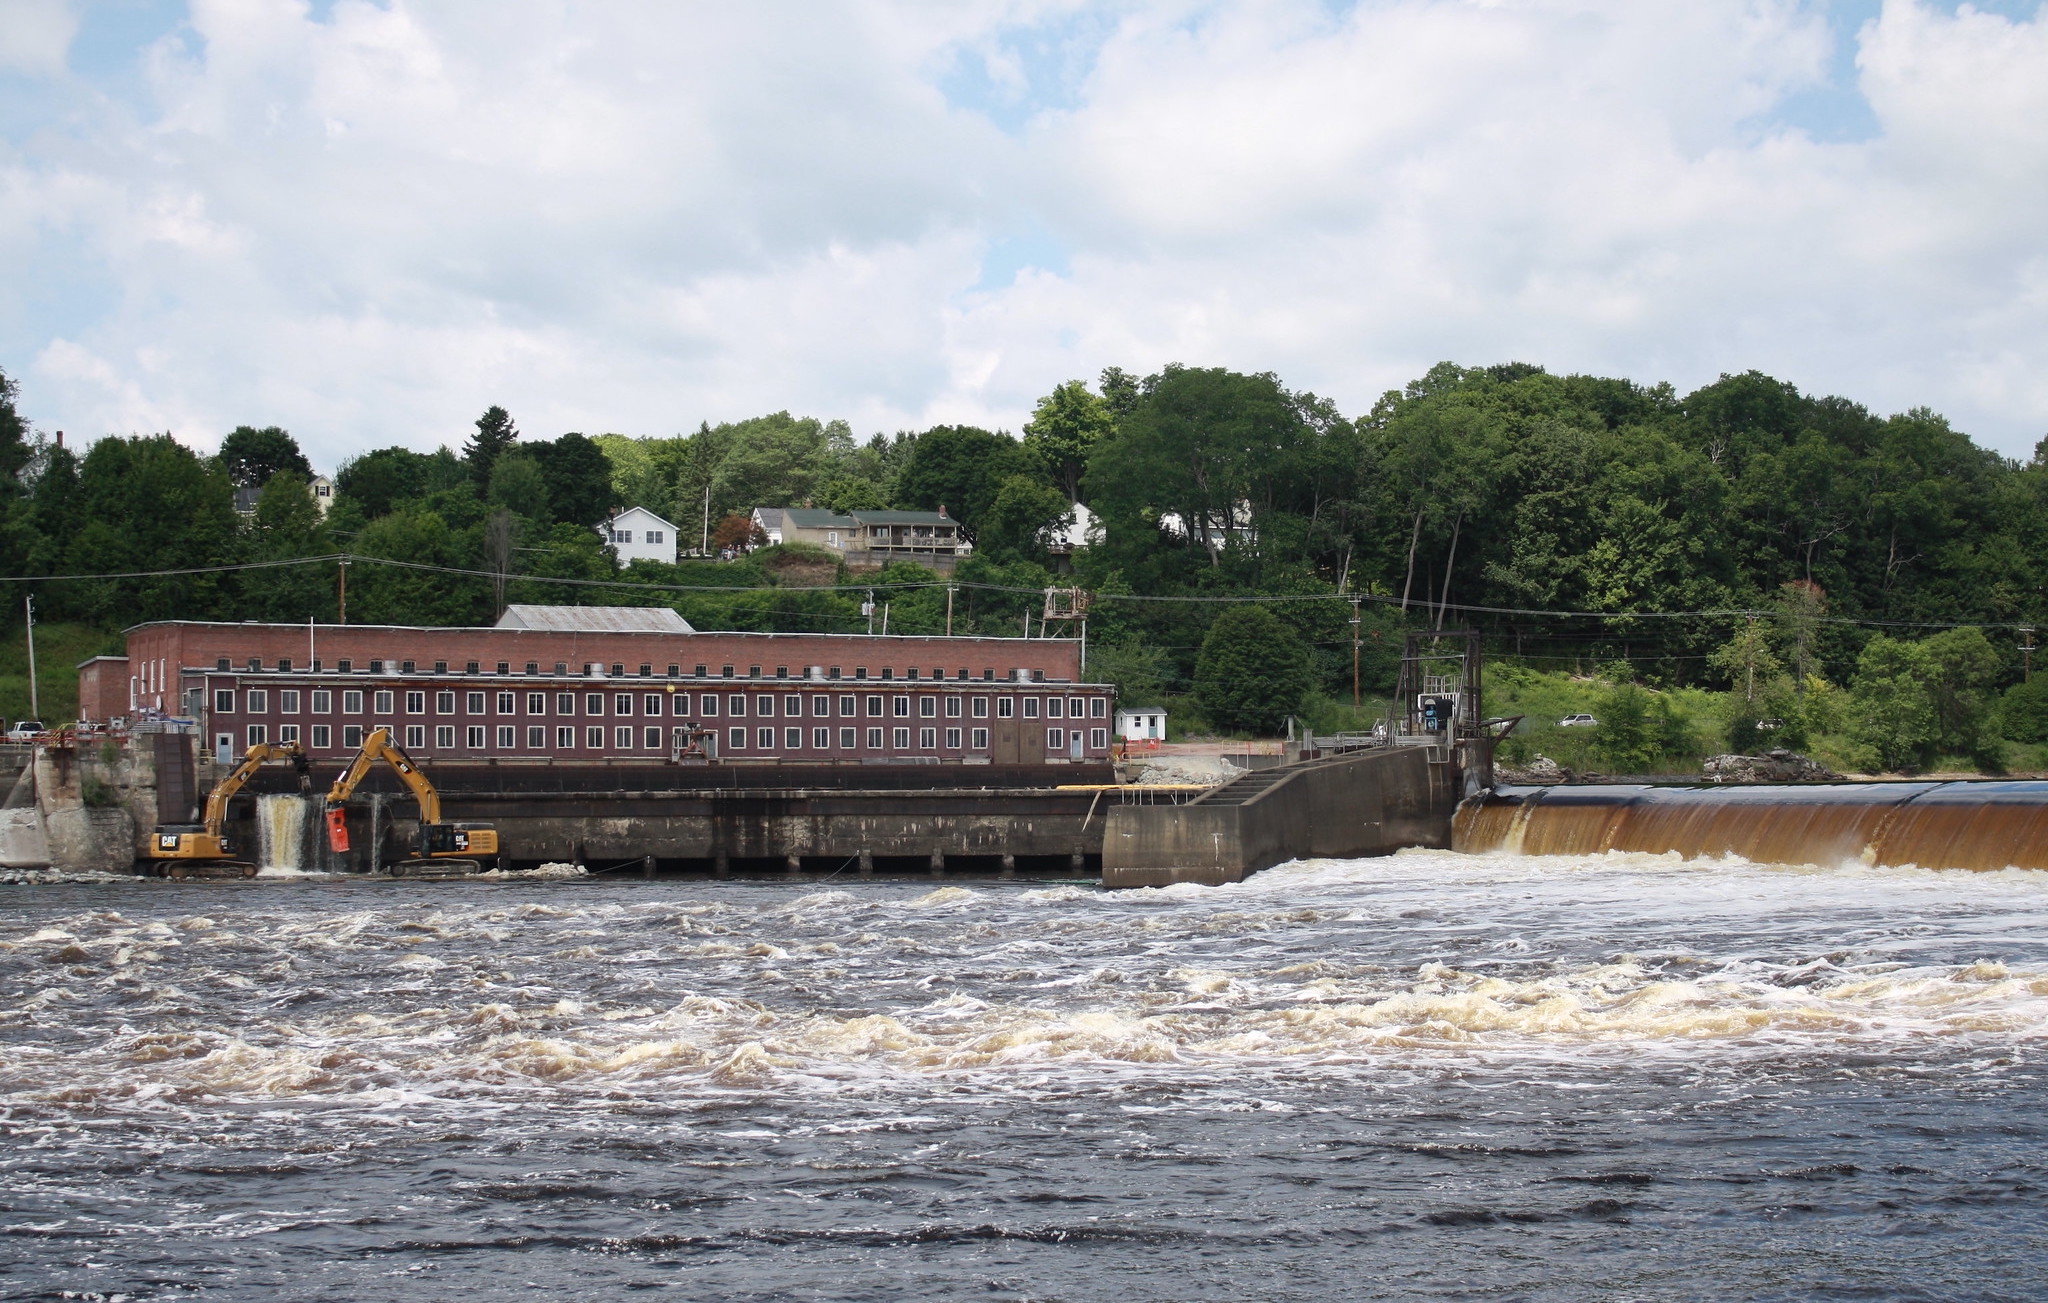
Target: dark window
column 675, row 671
column 911, row 672
column 408, row 667
column 221, row 664
column 728, row 671
column 700, row 671
column 504, row 667
column 284, row 665
column 562, row 667
column 471, row 668
column 782, row 671
column 533, row 667
column 646, row 671
column 441, row 667
column 888, row 671
column 860, row 671
column 345, row 666
column 753, row 671
column 834, row 672
column 618, row 671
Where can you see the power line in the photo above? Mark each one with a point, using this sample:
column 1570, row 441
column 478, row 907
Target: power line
column 632, row 585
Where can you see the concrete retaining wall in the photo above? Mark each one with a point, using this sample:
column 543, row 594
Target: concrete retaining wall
column 1367, row 803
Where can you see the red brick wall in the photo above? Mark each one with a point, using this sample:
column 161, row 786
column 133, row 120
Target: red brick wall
column 551, row 714
column 200, row 646
column 102, row 689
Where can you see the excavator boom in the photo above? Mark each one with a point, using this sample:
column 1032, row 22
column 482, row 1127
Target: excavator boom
column 436, row 838
column 210, row 840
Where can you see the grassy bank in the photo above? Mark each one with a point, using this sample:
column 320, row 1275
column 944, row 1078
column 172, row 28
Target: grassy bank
column 59, row 649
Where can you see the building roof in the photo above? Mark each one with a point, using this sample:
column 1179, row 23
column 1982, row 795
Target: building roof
column 1141, row 710
column 621, row 515
column 814, row 518
column 902, row 518
column 594, row 619
column 768, row 517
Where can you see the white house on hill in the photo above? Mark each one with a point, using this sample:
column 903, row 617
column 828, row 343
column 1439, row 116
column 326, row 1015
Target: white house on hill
column 639, row 535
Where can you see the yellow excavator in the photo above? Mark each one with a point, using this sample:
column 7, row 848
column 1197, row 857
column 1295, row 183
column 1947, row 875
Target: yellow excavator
column 443, row 847
column 178, row 848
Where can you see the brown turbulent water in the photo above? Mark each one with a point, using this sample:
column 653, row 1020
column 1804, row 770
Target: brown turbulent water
column 1958, row 825
column 1432, row 1075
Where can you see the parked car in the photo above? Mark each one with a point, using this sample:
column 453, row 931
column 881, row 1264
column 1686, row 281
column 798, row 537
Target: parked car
column 1577, row 721
column 26, row 730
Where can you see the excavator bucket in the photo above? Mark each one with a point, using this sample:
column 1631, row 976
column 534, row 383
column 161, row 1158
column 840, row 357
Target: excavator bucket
column 337, row 830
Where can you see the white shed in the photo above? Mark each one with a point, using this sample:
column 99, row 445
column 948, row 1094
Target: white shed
column 640, row 535
column 1141, row 723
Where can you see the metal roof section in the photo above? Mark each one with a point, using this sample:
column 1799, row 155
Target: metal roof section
column 813, row 518
column 903, row 518
column 594, row 619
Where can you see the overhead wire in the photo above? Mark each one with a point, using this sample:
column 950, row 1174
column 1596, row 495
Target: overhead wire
column 897, row 586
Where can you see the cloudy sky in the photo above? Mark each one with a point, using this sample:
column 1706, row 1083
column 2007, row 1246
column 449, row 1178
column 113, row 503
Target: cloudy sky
column 367, row 221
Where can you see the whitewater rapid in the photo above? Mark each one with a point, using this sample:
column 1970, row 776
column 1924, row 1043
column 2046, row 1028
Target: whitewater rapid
column 597, row 1080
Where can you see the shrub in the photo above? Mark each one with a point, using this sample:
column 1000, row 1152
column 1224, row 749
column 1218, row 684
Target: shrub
column 1252, row 673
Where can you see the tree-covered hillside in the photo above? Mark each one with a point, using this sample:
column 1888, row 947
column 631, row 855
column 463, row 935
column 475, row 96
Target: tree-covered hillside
column 1744, row 538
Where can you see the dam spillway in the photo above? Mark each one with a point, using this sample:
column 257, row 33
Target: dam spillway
column 1946, row 825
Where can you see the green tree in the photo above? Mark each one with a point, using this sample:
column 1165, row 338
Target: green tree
column 1252, row 673
column 494, row 434
column 577, row 477
column 151, row 504
column 286, row 526
column 520, row 486
column 1640, row 731
column 1960, row 671
column 1064, row 428
column 2024, row 711
column 378, row 482
column 962, row 469
column 15, row 535
column 1747, row 662
column 380, row 594
column 1891, row 710
column 1021, row 521
column 251, row 456
column 1140, row 672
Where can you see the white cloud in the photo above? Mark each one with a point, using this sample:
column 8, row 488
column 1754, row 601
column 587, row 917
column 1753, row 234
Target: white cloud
column 637, row 217
column 35, row 36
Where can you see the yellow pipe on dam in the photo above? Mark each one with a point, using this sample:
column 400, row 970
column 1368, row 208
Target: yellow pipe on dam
column 1951, row 825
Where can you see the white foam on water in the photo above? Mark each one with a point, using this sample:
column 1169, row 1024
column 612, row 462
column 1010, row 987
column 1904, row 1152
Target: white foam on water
column 1383, row 966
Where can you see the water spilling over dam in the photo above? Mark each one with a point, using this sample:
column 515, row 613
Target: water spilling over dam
column 1937, row 825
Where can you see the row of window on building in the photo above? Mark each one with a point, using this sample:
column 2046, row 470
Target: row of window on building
column 627, row 737
column 682, row 705
column 618, row 670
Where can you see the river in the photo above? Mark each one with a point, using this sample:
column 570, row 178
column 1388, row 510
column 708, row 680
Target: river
column 1426, row 1076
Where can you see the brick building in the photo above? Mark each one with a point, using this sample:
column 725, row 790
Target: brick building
column 610, row 683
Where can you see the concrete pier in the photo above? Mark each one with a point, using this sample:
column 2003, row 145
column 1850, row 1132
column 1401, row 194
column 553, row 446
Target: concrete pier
column 1363, row 803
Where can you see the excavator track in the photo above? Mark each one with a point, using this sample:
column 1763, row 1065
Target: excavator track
column 436, row 870
column 204, row 870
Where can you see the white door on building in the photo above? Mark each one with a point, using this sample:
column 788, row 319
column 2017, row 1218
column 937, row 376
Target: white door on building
column 224, row 748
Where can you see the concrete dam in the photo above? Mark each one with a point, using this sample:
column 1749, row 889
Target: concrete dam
column 89, row 807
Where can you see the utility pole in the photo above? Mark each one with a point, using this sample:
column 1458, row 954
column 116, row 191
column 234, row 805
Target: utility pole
column 867, row 608
column 35, row 706
column 343, row 612
column 1354, row 647
column 949, row 610
column 704, row 547
column 2027, row 655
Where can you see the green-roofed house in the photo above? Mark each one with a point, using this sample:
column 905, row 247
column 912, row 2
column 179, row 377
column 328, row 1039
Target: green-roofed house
column 875, row 538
